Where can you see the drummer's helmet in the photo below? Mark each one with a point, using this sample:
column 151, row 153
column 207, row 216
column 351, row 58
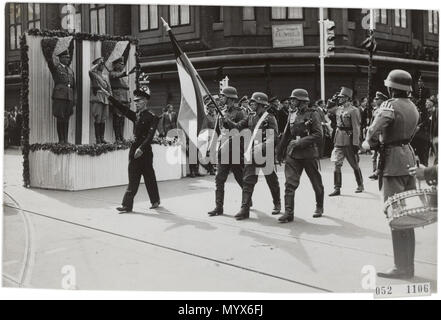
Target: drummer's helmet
column 400, row 80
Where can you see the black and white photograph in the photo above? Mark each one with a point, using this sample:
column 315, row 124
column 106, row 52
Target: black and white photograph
column 198, row 147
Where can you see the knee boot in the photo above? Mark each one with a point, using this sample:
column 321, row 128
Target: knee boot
column 102, row 130
column 288, row 216
column 359, row 179
column 66, row 132
column 337, row 184
column 60, row 131
column 97, row 133
column 244, row 212
column 219, row 210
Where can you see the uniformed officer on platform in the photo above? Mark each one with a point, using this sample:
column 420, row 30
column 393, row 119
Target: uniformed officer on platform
column 346, row 140
column 260, row 119
column 397, row 120
column 120, row 91
column 232, row 112
column 299, row 142
column 64, row 93
column 140, row 154
column 98, row 100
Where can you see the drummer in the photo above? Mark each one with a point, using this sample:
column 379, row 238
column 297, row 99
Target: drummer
column 397, row 121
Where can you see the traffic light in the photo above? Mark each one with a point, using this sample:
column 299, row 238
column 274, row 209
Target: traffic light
column 329, row 32
column 369, row 43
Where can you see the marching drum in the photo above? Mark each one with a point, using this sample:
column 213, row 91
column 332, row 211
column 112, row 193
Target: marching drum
column 412, row 209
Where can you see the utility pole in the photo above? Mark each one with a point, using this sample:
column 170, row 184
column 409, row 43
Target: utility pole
column 322, row 55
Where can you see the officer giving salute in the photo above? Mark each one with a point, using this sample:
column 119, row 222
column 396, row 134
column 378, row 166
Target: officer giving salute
column 260, row 120
column 397, row 121
column 233, row 113
column 346, row 140
column 299, row 142
column 140, row 154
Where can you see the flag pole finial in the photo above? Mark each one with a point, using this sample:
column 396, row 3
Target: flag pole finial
column 167, row 27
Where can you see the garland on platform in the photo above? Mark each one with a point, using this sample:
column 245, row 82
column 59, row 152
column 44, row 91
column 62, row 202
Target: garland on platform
column 93, row 149
column 24, row 100
column 81, row 36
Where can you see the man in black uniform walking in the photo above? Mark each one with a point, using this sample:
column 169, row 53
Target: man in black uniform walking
column 140, row 154
column 300, row 141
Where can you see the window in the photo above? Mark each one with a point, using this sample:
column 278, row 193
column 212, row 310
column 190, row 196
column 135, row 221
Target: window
column 15, row 25
column 179, row 15
column 148, row 17
column 433, row 21
column 381, row 16
column 219, row 15
column 248, row 14
column 286, row 13
column 97, row 19
column 33, row 16
column 400, row 18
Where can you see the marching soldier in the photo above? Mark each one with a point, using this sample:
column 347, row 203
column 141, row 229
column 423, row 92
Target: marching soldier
column 120, row 91
column 346, row 140
column 263, row 120
column 98, row 99
column 397, row 120
column 63, row 95
column 299, row 143
column 378, row 100
column 232, row 112
column 140, row 154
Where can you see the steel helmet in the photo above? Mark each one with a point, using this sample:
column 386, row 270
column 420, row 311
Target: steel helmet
column 260, row 97
column 230, row 92
column 300, row 94
column 399, row 79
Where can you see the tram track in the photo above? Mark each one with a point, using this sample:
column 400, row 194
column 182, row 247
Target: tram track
column 172, row 249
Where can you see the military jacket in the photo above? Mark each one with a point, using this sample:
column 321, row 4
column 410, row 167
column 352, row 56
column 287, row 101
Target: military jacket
column 301, row 137
column 98, row 81
column 397, row 120
column 64, row 82
column 120, row 88
column 348, row 126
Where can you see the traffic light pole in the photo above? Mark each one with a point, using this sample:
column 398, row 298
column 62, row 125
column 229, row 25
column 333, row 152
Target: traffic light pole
column 322, row 56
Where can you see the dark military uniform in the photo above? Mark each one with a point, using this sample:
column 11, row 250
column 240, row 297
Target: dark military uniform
column 300, row 141
column 347, row 136
column 225, row 152
column 250, row 173
column 120, row 91
column 397, row 121
column 145, row 125
column 63, row 97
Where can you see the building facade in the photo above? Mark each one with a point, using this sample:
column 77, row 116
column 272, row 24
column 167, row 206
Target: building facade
column 269, row 49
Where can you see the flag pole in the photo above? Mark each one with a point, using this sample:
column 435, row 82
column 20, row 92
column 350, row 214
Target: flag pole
column 170, row 33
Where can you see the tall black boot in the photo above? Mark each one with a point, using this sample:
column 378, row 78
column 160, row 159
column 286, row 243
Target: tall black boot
column 288, row 216
column 102, row 131
column 244, row 213
column 121, row 128
column 337, row 184
column 115, row 128
column 66, row 132
column 219, row 210
column 97, row 133
column 60, row 131
column 359, row 179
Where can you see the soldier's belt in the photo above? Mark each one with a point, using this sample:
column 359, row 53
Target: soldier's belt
column 345, row 128
column 397, row 143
